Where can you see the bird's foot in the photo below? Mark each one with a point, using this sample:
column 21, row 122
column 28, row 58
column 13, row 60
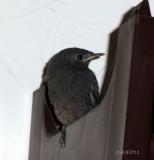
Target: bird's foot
column 62, row 136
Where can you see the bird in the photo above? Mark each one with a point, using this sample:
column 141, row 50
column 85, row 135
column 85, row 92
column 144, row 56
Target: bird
column 72, row 87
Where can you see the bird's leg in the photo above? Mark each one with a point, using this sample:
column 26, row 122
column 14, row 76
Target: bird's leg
column 62, row 137
column 58, row 127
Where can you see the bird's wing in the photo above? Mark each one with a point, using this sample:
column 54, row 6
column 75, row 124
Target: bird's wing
column 44, row 74
column 94, row 95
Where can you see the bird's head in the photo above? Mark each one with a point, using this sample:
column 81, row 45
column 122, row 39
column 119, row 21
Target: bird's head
column 75, row 57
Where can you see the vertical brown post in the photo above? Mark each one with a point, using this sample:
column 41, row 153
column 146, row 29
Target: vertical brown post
column 141, row 91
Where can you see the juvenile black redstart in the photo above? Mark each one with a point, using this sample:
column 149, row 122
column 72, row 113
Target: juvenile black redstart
column 72, row 87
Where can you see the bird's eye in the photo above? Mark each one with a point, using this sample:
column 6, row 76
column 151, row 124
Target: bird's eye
column 79, row 57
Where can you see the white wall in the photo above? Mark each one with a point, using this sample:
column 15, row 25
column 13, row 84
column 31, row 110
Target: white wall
column 31, row 31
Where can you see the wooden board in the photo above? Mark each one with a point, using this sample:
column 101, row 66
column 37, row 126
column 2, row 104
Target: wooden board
column 122, row 122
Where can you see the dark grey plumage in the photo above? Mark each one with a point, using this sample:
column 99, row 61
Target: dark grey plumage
column 72, row 86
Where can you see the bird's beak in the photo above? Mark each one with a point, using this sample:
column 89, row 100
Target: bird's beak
column 93, row 56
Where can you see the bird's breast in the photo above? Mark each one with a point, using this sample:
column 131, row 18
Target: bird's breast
column 69, row 92
column 71, row 84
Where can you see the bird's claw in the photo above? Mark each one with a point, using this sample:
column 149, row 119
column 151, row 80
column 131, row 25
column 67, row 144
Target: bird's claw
column 62, row 138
